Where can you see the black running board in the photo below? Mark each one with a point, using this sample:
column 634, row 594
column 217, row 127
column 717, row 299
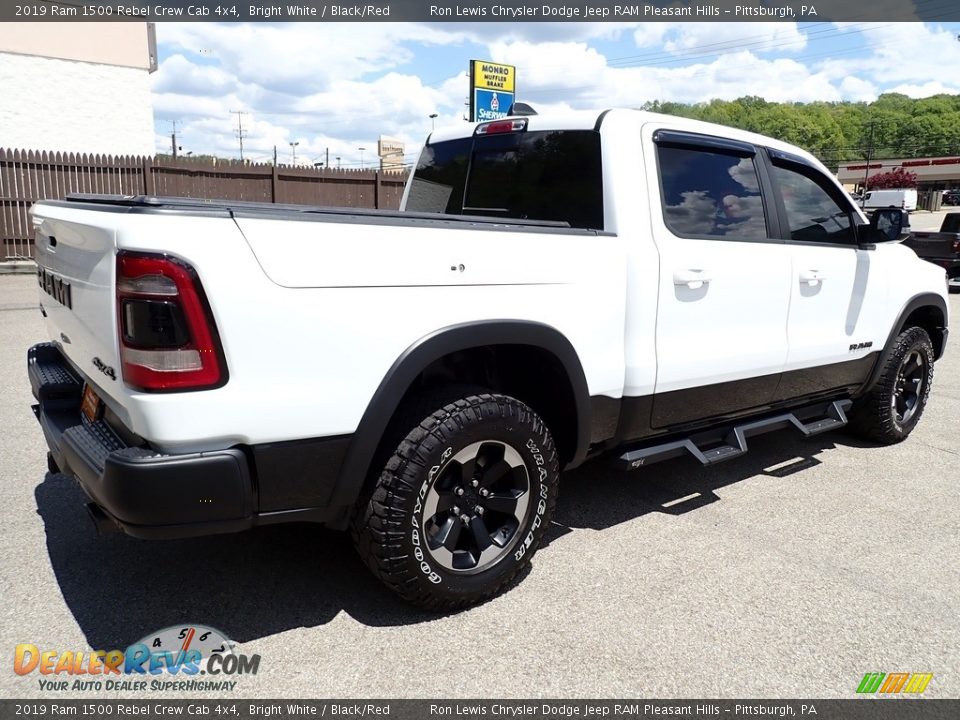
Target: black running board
column 732, row 442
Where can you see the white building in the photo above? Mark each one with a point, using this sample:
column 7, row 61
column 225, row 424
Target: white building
column 79, row 87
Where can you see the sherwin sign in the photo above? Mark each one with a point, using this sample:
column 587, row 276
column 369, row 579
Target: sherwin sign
column 492, row 89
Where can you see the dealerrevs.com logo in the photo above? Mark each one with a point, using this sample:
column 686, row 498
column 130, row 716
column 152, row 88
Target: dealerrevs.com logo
column 177, row 658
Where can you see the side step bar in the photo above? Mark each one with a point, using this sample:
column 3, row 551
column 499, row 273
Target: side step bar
column 733, row 443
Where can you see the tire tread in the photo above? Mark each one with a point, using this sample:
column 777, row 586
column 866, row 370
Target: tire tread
column 379, row 525
column 871, row 416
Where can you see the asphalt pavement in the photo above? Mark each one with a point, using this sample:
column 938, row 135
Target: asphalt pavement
column 789, row 572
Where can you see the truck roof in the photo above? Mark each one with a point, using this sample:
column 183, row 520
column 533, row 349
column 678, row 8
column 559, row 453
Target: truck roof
column 592, row 120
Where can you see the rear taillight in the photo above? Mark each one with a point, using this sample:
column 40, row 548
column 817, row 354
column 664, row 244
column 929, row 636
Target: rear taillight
column 168, row 340
column 956, row 246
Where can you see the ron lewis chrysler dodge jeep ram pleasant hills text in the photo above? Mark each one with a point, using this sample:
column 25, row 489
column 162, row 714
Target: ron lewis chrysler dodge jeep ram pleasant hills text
column 552, row 288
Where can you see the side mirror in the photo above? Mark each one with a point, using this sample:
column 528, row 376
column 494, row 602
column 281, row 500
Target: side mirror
column 888, row 225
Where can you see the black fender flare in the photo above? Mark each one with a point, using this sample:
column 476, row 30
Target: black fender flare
column 398, row 379
column 915, row 303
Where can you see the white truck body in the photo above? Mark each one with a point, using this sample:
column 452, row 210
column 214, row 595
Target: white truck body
column 675, row 326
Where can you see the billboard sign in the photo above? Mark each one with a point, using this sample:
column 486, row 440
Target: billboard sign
column 390, row 150
column 492, row 90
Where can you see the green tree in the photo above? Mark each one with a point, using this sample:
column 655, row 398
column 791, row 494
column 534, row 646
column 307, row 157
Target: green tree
column 894, row 125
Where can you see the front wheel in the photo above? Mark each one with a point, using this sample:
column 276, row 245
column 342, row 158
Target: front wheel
column 461, row 505
column 891, row 410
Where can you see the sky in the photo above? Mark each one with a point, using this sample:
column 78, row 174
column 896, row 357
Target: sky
column 343, row 85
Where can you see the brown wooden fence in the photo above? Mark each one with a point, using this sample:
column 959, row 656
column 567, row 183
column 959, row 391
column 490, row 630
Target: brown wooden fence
column 28, row 176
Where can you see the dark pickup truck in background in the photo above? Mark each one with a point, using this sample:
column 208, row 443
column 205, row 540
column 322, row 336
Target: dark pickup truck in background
column 941, row 248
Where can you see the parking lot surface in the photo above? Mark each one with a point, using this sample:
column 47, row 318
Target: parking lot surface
column 789, row 572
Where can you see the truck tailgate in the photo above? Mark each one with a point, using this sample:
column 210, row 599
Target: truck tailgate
column 75, row 256
column 930, row 245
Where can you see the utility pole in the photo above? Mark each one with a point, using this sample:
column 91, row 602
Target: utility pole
column 173, row 137
column 866, row 173
column 240, row 133
column 274, row 155
column 327, row 163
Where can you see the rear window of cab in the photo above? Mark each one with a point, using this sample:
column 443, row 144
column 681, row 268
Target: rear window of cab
column 550, row 175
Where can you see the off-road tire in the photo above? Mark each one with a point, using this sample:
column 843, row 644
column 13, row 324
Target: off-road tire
column 388, row 526
column 874, row 416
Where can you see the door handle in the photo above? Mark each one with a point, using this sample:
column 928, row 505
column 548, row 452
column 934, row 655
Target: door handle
column 693, row 279
column 811, row 277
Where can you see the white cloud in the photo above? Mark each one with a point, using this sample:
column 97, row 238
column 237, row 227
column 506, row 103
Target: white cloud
column 858, row 89
column 487, row 32
column 932, row 87
column 576, row 74
column 182, row 77
column 297, row 58
column 551, row 64
column 703, row 38
column 909, row 53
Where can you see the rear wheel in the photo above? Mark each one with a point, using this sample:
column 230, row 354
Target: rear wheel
column 892, row 409
column 462, row 502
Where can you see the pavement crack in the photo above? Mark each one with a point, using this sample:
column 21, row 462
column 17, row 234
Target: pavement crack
column 935, row 447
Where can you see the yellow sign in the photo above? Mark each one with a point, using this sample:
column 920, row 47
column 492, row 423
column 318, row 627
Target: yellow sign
column 491, row 76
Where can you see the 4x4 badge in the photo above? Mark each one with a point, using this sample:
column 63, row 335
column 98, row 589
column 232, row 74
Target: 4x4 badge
column 104, row 368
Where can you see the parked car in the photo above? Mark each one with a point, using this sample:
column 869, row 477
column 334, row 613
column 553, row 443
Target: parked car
column 951, row 197
column 553, row 288
column 941, row 248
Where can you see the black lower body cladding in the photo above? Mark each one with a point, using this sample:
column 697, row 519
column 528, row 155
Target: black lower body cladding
column 149, row 494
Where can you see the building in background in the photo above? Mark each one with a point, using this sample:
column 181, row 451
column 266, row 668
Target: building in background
column 934, row 173
column 77, row 87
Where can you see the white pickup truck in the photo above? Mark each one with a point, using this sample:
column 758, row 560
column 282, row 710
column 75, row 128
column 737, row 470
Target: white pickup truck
column 553, row 288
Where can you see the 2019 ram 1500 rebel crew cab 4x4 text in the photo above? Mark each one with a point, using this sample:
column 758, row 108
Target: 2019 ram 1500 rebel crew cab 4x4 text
column 554, row 287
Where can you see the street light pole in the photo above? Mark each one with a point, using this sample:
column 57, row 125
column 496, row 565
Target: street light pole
column 361, row 157
column 433, row 118
column 293, row 150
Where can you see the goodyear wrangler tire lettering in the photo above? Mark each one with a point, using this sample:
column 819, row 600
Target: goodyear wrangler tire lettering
column 462, row 502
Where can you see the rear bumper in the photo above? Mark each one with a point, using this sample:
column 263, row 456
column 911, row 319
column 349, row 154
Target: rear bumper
column 145, row 493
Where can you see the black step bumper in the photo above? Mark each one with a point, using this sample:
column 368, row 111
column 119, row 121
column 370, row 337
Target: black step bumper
column 145, row 493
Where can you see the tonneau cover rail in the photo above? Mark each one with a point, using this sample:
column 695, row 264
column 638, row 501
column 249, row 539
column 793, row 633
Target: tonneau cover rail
column 149, row 203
